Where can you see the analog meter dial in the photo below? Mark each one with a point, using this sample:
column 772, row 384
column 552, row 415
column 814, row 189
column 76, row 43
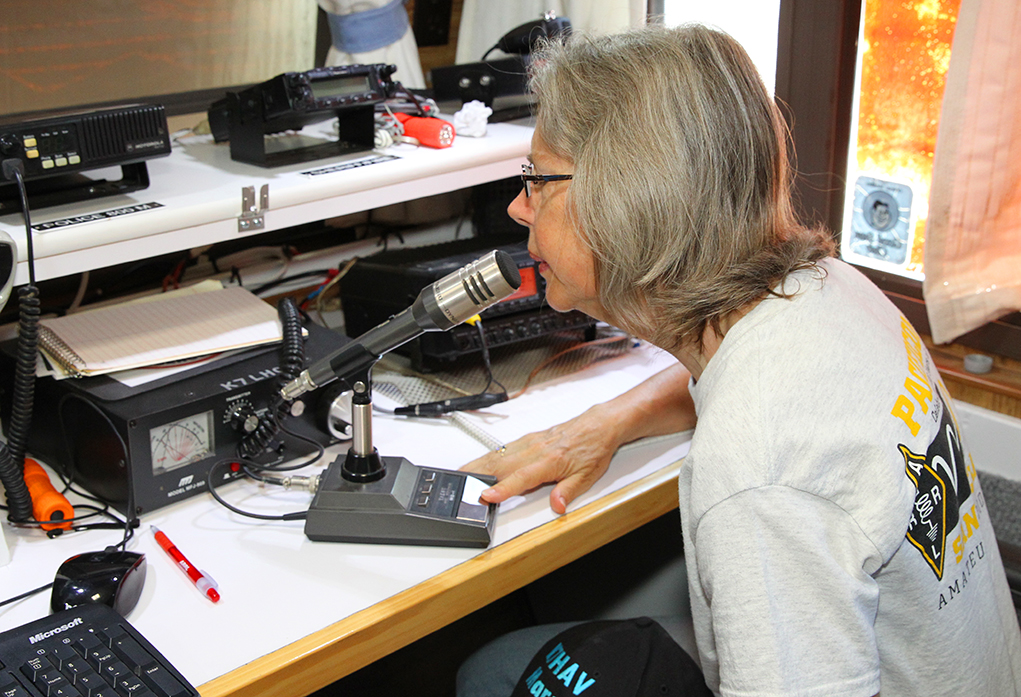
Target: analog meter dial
column 181, row 442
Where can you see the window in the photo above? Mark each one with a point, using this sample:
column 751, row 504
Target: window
column 816, row 86
column 903, row 56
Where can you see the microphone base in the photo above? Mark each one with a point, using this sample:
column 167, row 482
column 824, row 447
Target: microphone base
column 408, row 505
column 363, row 469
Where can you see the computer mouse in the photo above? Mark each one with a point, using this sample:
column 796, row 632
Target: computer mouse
column 112, row 577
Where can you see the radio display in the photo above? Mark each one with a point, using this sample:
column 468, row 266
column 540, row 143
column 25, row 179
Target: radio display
column 528, row 286
column 340, row 87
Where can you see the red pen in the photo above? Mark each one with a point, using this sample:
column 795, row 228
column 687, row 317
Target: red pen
column 203, row 581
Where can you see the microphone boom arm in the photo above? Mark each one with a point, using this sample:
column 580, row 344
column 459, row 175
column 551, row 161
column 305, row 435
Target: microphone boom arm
column 439, row 306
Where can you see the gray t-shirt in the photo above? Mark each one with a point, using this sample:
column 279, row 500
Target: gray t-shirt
column 836, row 535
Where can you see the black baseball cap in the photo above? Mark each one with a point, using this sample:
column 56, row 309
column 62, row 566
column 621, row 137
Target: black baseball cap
column 612, row 658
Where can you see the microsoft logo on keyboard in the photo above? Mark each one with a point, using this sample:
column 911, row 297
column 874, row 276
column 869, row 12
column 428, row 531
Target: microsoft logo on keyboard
column 56, row 630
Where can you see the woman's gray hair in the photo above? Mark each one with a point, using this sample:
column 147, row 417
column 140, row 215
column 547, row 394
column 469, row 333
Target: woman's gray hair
column 681, row 184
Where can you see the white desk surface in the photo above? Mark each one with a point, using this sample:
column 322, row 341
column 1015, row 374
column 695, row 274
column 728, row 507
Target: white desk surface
column 277, row 586
column 199, row 189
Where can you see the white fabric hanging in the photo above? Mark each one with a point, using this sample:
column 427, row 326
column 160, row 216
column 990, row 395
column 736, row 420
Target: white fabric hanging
column 973, row 235
column 483, row 22
column 403, row 53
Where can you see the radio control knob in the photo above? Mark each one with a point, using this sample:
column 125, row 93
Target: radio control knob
column 243, row 418
column 8, row 144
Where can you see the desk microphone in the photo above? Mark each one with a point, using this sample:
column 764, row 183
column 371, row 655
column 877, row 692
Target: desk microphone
column 439, row 306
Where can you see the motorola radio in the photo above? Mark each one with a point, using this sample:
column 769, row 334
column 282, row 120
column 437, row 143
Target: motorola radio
column 55, row 150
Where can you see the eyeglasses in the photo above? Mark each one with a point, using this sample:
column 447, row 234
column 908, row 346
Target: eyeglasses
column 528, row 176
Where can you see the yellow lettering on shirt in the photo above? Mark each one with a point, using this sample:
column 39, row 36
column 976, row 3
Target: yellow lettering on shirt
column 917, row 390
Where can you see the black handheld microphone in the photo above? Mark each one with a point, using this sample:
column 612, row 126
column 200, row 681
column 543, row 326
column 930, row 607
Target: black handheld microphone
column 439, row 306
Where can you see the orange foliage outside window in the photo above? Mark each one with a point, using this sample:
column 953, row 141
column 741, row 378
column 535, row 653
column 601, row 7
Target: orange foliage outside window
column 905, row 58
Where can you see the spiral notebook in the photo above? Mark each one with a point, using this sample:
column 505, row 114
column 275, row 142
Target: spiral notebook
column 161, row 330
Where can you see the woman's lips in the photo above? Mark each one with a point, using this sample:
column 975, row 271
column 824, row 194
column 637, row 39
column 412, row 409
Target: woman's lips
column 543, row 266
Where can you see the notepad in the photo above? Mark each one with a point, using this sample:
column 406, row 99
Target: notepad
column 162, row 330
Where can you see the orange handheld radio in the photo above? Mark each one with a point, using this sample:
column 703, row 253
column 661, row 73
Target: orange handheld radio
column 48, row 504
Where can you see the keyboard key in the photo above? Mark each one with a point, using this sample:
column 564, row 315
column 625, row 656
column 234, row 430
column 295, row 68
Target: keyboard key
column 90, row 684
column 160, row 680
column 99, row 656
column 113, row 670
column 61, row 654
column 65, row 689
column 132, row 653
column 130, row 686
column 84, row 643
column 75, row 667
column 52, row 684
column 34, row 666
column 12, row 689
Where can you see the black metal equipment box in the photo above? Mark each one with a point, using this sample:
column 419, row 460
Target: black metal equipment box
column 145, row 447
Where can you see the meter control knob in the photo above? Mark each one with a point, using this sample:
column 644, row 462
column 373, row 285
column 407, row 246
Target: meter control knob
column 242, row 417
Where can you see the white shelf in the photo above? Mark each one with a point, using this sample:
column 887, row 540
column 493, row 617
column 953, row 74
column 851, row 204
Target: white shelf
column 199, row 189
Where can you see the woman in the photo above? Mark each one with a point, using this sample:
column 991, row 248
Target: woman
column 833, row 524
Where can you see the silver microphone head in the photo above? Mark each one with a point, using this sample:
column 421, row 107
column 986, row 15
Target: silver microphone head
column 476, row 286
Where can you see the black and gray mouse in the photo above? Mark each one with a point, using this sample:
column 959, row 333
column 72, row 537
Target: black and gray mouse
column 112, row 577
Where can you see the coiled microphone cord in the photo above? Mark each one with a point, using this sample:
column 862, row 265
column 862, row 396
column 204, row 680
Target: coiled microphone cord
column 292, row 362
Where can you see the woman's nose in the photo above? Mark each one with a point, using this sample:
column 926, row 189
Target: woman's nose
column 519, row 210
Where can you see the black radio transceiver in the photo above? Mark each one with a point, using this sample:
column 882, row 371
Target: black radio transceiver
column 291, row 101
column 57, row 148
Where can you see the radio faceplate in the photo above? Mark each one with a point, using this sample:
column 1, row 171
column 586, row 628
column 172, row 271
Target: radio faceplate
column 324, row 89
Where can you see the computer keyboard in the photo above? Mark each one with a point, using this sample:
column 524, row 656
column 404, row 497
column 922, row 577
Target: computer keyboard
column 87, row 651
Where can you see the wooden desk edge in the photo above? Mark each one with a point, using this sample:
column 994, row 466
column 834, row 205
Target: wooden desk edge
column 325, row 656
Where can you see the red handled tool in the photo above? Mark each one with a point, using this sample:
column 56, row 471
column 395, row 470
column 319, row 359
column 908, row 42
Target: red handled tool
column 48, row 505
column 427, row 130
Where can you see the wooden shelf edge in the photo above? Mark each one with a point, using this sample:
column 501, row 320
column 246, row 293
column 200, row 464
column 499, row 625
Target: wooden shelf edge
column 354, row 642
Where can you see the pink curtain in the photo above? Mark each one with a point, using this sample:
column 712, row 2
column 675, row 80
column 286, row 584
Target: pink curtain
column 973, row 234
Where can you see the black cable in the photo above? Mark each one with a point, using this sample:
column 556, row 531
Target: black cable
column 25, row 595
column 482, row 399
column 280, row 281
column 12, row 456
column 486, row 359
column 292, row 362
column 297, row 515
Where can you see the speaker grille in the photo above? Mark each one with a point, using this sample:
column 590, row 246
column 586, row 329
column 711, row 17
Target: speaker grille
column 108, row 134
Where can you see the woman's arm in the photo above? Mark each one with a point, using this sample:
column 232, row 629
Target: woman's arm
column 576, row 453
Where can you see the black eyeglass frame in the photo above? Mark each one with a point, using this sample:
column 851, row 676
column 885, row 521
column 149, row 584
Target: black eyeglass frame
column 528, row 176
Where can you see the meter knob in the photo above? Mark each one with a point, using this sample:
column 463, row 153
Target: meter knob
column 242, row 417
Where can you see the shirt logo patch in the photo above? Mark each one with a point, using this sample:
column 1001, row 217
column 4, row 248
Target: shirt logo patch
column 942, row 486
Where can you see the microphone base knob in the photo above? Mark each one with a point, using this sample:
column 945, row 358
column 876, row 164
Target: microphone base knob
column 363, row 468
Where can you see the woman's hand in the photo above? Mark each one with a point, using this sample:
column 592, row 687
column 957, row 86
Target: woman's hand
column 573, row 454
column 576, row 453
